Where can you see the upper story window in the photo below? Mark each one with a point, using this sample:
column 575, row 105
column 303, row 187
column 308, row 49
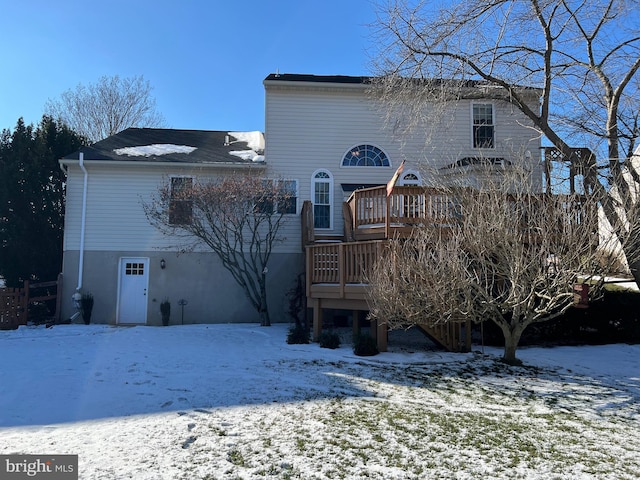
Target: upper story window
column 483, row 126
column 288, row 204
column 278, row 196
column 180, row 203
column 365, row 156
column 322, row 196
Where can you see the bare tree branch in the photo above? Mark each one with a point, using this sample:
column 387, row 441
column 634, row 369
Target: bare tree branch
column 237, row 216
column 506, row 254
column 107, row 107
column 582, row 56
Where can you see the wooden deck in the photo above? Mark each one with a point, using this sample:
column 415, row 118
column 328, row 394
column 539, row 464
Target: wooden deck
column 337, row 269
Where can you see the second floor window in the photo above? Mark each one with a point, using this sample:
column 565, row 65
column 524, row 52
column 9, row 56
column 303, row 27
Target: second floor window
column 483, row 126
column 289, row 204
column 365, row 156
column 180, row 205
column 279, row 196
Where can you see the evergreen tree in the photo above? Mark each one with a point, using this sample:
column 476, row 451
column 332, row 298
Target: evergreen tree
column 32, row 199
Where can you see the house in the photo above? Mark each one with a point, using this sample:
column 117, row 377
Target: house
column 327, row 136
column 331, row 135
column 112, row 251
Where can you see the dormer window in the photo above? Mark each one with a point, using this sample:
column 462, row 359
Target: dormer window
column 365, row 156
column 483, row 126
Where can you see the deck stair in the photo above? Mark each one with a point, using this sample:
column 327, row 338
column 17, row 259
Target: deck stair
column 451, row 336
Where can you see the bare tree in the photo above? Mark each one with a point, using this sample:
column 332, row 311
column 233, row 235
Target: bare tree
column 503, row 254
column 113, row 104
column 237, row 216
column 583, row 56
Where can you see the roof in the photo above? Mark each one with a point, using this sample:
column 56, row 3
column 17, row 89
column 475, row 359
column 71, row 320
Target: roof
column 176, row 146
column 363, row 81
column 295, row 77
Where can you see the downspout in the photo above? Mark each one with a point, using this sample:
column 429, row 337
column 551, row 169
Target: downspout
column 83, row 222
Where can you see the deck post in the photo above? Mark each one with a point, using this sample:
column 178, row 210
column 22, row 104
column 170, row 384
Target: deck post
column 341, row 268
column 317, row 319
column 382, row 336
column 386, row 220
column 58, row 298
column 309, row 270
column 356, row 322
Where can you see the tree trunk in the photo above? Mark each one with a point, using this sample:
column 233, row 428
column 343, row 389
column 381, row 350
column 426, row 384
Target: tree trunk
column 265, row 321
column 511, row 340
column 635, row 271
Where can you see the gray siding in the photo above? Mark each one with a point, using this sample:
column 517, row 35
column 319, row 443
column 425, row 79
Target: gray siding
column 199, row 278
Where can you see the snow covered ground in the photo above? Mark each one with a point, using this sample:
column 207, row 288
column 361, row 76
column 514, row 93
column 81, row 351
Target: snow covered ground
column 237, row 402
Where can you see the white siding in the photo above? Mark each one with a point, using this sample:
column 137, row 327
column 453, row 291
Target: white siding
column 115, row 219
column 310, row 128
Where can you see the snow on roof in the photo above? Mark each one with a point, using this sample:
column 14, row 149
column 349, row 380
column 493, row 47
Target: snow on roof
column 155, row 149
column 247, row 155
column 254, row 140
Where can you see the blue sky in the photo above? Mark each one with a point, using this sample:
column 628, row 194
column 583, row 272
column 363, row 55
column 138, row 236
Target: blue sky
column 205, row 59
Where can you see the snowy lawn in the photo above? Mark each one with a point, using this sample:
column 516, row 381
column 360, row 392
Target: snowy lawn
column 237, row 402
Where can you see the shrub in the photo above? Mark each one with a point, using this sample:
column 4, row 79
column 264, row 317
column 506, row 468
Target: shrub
column 38, row 313
column 298, row 334
column 165, row 311
column 329, row 340
column 86, row 307
column 364, row 345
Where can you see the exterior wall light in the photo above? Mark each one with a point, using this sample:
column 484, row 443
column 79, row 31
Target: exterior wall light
column 163, row 264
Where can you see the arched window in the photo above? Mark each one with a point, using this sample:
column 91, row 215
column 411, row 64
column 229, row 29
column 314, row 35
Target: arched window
column 412, row 205
column 365, row 156
column 410, row 178
column 322, row 191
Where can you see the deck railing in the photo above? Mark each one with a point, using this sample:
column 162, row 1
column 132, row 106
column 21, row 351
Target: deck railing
column 341, row 263
column 398, row 214
column 407, row 206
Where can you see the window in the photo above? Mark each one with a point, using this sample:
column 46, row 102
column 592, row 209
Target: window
column 483, row 125
column 288, row 204
column 322, row 184
column 410, row 178
column 411, row 205
column 134, row 268
column 365, row 156
column 180, row 205
column 286, row 197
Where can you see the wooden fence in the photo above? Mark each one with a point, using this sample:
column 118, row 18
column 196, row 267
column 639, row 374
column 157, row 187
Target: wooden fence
column 15, row 302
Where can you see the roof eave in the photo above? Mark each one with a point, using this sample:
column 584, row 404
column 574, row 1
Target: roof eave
column 227, row 165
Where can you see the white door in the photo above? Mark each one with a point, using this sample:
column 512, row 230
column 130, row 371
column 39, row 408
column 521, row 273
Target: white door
column 132, row 293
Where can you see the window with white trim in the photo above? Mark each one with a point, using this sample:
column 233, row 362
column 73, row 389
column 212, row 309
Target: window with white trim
column 322, row 191
column 365, row 156
column 410, row 178
column 180, row 204
column 483, row 125
column 281, row 197
column 411, row 205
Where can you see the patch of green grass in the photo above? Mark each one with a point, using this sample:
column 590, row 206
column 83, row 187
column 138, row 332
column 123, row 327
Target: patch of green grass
column 235, row 457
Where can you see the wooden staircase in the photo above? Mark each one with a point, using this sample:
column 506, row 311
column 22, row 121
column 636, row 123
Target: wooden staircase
column 452, row 336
